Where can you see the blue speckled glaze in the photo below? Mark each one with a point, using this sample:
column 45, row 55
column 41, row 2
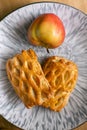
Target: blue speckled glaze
column 13, row 39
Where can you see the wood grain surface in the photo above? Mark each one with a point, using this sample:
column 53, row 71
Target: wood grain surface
column 6, row 7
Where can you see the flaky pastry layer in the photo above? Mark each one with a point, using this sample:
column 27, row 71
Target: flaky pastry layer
column 27, row 78
column 62, row 75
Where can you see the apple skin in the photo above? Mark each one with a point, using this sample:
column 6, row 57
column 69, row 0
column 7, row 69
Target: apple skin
column 47, row 30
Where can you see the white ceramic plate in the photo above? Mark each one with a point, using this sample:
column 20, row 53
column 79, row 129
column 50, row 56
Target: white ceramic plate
column 13, row 38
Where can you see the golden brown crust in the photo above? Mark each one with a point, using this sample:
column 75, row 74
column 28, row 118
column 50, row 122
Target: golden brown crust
column 50, row 89
column 27, row 78
column 62, row 75
column 57, row 102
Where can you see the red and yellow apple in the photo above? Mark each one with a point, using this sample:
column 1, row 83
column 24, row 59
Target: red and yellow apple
column 47, row 30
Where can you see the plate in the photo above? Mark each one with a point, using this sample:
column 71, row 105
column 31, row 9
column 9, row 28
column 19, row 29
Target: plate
column 13, row 38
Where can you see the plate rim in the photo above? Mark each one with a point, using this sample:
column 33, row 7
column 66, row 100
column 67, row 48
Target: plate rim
column 41, row 2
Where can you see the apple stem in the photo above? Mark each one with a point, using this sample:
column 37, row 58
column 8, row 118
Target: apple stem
column 48, row 50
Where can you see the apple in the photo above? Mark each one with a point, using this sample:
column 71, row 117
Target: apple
column 47, row 30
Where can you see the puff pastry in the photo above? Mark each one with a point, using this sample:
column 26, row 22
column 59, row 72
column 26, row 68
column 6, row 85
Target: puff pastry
column 62, row 75
column 27, row 78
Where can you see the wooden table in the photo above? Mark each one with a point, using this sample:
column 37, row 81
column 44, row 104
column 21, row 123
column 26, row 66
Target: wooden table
column 7, row 6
